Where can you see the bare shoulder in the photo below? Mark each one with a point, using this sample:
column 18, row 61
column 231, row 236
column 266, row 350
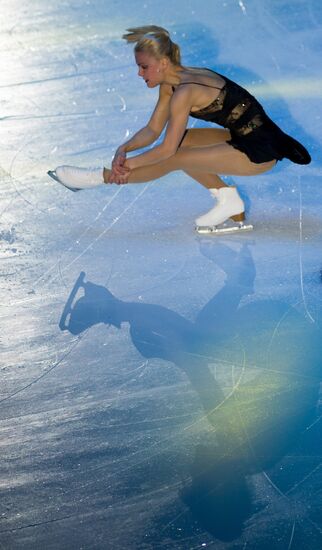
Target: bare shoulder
column 183, row 92
column 198, row 88
column 203, row 76
column 183, row 98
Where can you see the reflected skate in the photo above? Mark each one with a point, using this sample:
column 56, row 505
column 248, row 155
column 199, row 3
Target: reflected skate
column 65, row 317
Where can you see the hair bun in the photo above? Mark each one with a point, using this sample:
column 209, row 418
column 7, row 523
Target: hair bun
column 154, row 40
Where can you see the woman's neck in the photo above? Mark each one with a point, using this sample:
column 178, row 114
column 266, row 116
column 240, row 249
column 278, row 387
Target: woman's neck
column 174, row 75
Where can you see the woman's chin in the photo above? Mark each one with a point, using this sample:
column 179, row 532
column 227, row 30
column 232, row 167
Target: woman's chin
column 151, row 84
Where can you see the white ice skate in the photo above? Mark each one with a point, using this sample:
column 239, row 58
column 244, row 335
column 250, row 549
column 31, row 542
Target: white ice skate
column 228, row 209
column 75, row 178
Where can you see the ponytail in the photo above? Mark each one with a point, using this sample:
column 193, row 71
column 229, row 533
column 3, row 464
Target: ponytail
column 155, row 41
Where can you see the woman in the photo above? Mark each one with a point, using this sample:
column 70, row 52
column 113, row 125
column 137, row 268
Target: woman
column 249, row 144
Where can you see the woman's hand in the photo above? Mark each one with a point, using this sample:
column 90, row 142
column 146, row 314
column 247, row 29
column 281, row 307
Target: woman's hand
column 118, row 160
column 119, row 172
column 119, row 175
column 119, row 179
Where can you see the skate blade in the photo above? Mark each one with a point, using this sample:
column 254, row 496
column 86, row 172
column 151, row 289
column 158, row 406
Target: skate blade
column 225, row 230
column 53, row 175
column 63, row 323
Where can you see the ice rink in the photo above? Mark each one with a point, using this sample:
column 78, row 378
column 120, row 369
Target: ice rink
column 159, row 389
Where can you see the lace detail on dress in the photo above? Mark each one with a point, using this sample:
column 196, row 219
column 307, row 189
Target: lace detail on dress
column 235, row 114
column 254, row 123
column 238, row 111
column 215, row 105
column 235, row 118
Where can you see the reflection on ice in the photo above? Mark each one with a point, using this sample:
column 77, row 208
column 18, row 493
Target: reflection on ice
column 259, row 415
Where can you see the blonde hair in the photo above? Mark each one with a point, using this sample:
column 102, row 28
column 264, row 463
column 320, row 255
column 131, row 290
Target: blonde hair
column 154, row 40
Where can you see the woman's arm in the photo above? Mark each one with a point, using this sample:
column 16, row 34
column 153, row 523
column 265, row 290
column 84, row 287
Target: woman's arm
column 154, row 127
column 143, row 137
column 179, row 109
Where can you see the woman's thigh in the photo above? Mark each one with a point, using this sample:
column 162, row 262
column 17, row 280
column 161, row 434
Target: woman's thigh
column 221, row 158
column 199, row 137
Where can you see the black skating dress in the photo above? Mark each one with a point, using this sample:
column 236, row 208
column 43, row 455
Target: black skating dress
column 251, row 129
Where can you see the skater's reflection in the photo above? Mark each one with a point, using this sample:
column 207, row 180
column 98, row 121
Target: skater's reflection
column 275, row 352
column 159, row 332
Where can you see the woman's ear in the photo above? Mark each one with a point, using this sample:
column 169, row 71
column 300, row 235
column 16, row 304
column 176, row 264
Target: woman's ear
column 164, row 62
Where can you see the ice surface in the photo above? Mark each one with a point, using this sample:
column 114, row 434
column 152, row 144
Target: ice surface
column 176, row 403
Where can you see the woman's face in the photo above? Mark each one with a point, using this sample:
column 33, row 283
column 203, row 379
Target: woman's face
column 149, row 69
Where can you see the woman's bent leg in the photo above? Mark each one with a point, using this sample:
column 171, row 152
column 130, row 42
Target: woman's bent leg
column 210, row 181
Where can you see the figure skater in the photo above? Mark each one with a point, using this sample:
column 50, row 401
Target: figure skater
column 249, row 143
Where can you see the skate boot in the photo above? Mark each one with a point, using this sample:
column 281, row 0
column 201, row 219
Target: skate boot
column 75, row 178
column 229, row 206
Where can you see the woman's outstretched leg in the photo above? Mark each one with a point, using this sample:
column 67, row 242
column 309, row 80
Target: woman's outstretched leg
column 203, row 163
column 81, row 178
